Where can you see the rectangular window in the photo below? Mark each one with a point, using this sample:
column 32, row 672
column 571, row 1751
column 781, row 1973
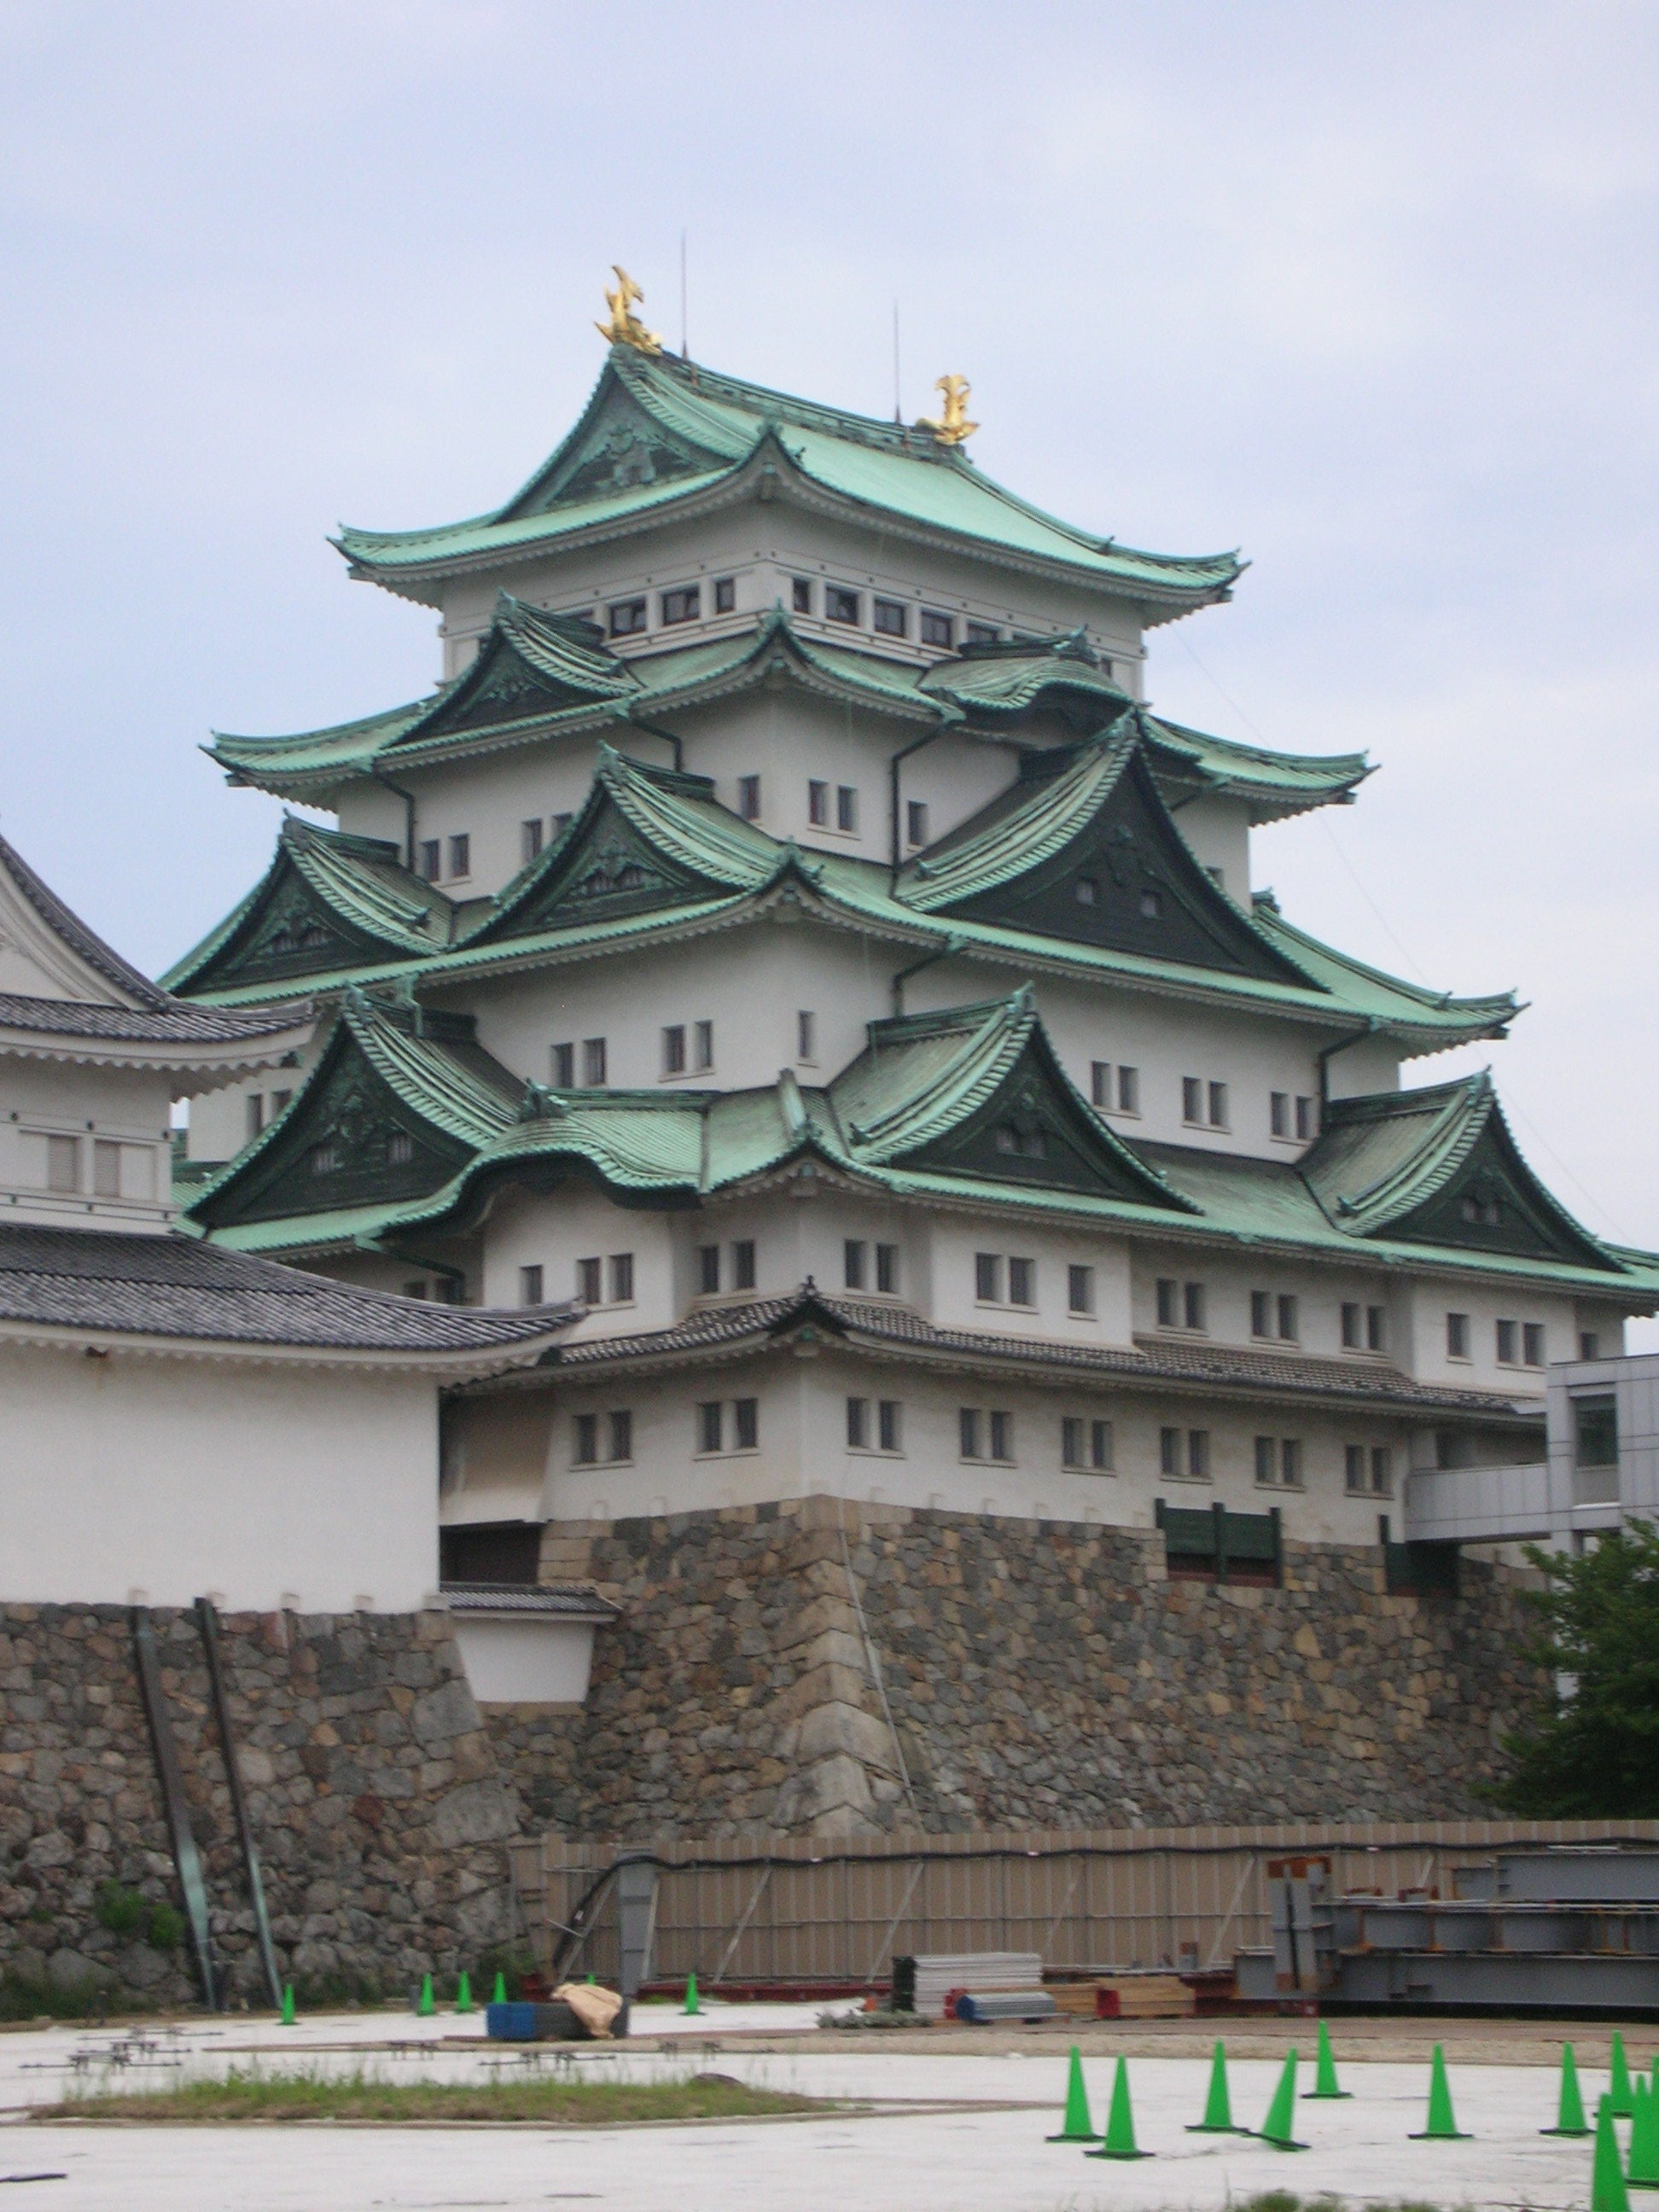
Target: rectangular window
column 1080, row 1290
column 1261, row 1313
column 1532, row 1344
column 105, row 1168
column 399, row 1149
column 743, row 1264
column 745, row 1424
column 1377, row 1328
column 858, row 1424
column 987, row 1277
column 1198, row 1454
column 590, row 1282
column 683, row 604
column 1192, row 1305
column 1086, row 1447
column 1278, row 1117
column 704, row 1035
column 748, row 797
column 977, row 633
column 561, row 823
column 938, row 628
column 806, row 1043
column 255, row 1114
column 585, row 1448
column 708, row 1270
column 673, row 1050
column 1168, row 1452
column 887, row 1425
column 1128, row 1090
column 1218, row 1105
column 887, row 1270
column 1305, row 1119
column 530, row 839
column 563, row 1060
column 853, row 1253
column 1072, row 1444
column 1192, row 1102
column 594, row 1063
column 1353, row 1463
column 1508, row 1343
column 847, row 809
column 280, row 1102
column 1290, row 1462
column 63, row 1164
column 1589, row 1345
column 431, row 859
column 817, row 804
column 968, row 1433
column 1168, row 1302
column 530, row 1286
column 621, row 1278
column 1266, row 1459
column 915, row 821
column 840, row 605
column 460, row 855
column 1289, row 1326
column 627, row 618
column 622, row 1436
column 1596, row 1431
column 726, row 594
column 891, row 617
column 1022, row 1282
column 1382, row 1470
column 1457, row 1336
column 1001, row 1445
column 1351, row 1341
column 1100, row 1084
column 800, row 594
column 711, row 1427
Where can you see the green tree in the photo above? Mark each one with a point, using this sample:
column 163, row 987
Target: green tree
column 1590, row 1748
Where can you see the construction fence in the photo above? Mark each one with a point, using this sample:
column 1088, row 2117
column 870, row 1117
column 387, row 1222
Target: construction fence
column 811, row 1912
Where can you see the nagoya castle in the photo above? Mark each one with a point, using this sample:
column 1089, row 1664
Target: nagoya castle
column 786, row 940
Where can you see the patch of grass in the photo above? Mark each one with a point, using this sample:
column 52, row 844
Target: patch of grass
column 250, row 2095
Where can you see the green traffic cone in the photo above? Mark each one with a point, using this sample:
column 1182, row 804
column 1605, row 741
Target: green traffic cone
column 1619, row 2089
column 1217, row 2118
column 424, row 2007
column 691, row 2002
column 1120, row 2122
column 1276, row 2128
column 1642, row 2172
column 500, row 1995
column 1608, row 2190
column 287, row 2004
column 1325, row 2081
column 1442, row 2127
column 1570, row 2113
column 464, row 1992
column 1077, row 2127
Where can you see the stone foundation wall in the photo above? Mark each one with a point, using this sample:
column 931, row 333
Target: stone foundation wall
column 373, row 1791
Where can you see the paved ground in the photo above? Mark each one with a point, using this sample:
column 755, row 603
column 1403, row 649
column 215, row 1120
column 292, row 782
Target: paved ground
column 957, row 2121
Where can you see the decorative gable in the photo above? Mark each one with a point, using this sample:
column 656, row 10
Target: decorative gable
column 1091, row 855
column 1494, row 1203
column 601, row 870
column 616, row 446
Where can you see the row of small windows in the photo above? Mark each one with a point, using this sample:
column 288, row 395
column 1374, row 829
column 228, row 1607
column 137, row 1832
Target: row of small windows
column 718, row 1426
column 599, row 1281
column 66, row 1165
column 1517, row 1344
column 856, row 1272
column 430, row 858
column 711, row 1269
column 1184, row 1455
column 1275, row 1316
column 1205, row 1104
column 261, row 1108
column 531, row 836
column 1008, row 1279
column 841, row 604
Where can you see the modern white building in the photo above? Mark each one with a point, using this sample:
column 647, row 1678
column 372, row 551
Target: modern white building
column 786, row 933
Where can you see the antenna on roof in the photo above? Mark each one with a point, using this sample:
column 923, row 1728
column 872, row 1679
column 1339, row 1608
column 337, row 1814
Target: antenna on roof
column 898, row 416
column 684, row 351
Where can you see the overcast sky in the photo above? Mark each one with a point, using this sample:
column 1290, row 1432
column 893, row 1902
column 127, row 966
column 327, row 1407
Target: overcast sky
column 1367, row 290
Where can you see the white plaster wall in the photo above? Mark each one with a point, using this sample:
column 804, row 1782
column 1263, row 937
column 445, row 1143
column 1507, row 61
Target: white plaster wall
column 151, row 1481
column 1219, row 832
column 539, row 1661
column 573, row 1222
column 1227, row 1283
column 1371, row 1065
column 1423, row 1304
column 39, row 1099
column 218, row 1127
column 1056, row 1250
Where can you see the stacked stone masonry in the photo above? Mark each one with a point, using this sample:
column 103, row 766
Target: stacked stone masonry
column 802, row 1667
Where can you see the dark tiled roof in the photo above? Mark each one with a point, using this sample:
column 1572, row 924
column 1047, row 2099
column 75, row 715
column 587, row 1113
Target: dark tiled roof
column 1150, row 1360
column 564, row 1601
column 170, row 1022
column 71, row 931
column 134, row 1285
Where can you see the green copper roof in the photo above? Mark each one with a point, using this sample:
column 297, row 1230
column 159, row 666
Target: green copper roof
column 659, row 432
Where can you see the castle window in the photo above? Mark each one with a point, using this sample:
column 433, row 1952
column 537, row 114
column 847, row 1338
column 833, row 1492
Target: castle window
column 1128, row 1090
column 1151, row 904
column 981, row 633
column 817, row 804
column 1198, row 1454
column 915, row 821
column 891, row 617
column 1100, row 1084
column 1278, row 1113
column 561, row 821
column 1192, row 1306
column 938, row 628
column 622, row 1436
column 627, row 618
column 1508, row 1343
column 1168, row 1302
column 1184, row 1454
column 1080, row 1290
column 988, row 1279
column 1483, row 1210
column 460, row 855
column 847, row 809
column 1085, row 891
column 530, row 1286
column 726, row 594
column 853, row 1253
column 743, row 1264
column 887, row 1269
column 563, row 1061
column 280, row 1102
column 800, row 595
column 1086, row 1447
column 325, row 1160
column 1022, row 1282
column 105, row 1168
column 1217, row 1101
column 1532, row 1345
column 255, row 1114
column 1261, row 1314
column 805, row 1035
column 399, row 1149
column 1590, row 1344
column 530, row 839
column 711, row 1427
column 585, row 1444
column 1457, row 1336
column 1027, row 1144
column 840, row 605
column 1305, row 1119
column 745, row 1424
column 858, row 1424
column 1289, row 1324
column 888, row 1415
column 431, row 859
column 708, row 1270
column 1278, row 1461
column 748, row 797
column 594, row 1063
column 683, row 605
column 621, row 1278
column 1382, row 1470
column 673, row 1050
column 1000, row 1445
column 590, row 1282
column 704, row 1036
column 968, row 1438
column 1192, row 1102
